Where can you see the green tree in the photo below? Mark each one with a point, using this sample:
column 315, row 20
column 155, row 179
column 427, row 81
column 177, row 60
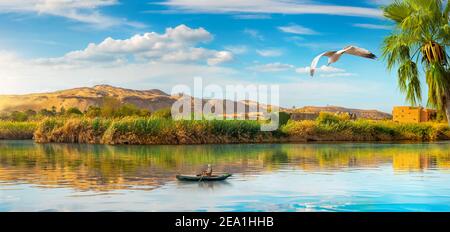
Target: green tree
column 109, row 106
column 73, row 111
column 62, row 110
column 46, row 113
column 4, row 116
column 54, row 110
column 93, row 111
column 30, row 113
column 145, row 112
column 162, row 113
column 284, row 118
column 19, row 116
column 421, row 34
column 127, row 110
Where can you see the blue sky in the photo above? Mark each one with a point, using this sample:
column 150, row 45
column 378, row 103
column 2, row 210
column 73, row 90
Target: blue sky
column 53, row 44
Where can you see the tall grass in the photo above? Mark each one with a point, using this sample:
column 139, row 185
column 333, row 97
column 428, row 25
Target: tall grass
column 329, row 127
column 17, row 130
column 71, row 130
column 149, row 130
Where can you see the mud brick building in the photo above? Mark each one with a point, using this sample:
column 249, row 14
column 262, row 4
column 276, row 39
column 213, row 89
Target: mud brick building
column 411, row 114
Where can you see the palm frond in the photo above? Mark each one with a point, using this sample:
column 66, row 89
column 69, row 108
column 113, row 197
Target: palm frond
column 399, row 48
column 438, row 81
column 409, row 82
column 397, row 11
column 422, row 33
column 444, row 35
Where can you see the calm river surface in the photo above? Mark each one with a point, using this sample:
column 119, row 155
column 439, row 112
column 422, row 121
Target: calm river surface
column 278, row 177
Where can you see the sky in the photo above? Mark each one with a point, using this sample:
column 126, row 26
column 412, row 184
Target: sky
column 48, row 45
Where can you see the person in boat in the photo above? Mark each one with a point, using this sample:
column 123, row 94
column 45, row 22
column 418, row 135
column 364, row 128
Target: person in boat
column 208, row 171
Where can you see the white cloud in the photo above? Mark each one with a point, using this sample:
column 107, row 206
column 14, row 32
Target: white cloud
column 21, row 75
column 86, row 11
column 141, row 61
column 269, row 52
column 269, row 7
column 272, row 67
column 254, row 33
column 373, row 26
column 252, row 16
column 220, row 57
column 237, row 49
column 297, row 29
column 175, row 45
column 294, row 39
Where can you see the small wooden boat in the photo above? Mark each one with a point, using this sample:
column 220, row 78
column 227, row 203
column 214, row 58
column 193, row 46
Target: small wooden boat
column 203, row 178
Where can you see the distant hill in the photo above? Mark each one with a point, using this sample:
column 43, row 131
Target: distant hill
column 84, row 97
column 152, row 100
column 368, row 114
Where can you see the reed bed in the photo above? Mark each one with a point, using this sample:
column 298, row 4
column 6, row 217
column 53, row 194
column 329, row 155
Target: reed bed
column 151, row 130
column 17, row 130
column 337, row 128
column 148, row 130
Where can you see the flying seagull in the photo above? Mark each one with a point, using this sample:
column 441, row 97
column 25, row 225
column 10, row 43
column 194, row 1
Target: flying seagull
column 333, row 56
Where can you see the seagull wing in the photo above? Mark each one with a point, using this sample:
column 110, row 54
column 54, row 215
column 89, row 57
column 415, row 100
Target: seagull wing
column 356, row 51
column 315, row 61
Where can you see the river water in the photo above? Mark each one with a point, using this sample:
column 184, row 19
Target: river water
column 267, row 177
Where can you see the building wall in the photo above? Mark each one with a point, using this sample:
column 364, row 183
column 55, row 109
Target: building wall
column 428, row 115
column 408, row 114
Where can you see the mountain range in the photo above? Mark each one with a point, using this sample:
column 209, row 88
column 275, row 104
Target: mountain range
column 152, row 100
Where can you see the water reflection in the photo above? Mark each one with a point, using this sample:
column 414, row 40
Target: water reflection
column 211, row 186
column 104, row 168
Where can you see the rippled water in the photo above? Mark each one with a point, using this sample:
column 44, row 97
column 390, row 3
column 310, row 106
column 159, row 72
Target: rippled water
column 267, row 177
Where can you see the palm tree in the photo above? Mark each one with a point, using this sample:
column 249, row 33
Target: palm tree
column 420, row 38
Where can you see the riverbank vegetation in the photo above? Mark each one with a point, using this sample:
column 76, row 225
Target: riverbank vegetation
column 150, row 130
column 330, row 127
column 154, row 130
column 17, row 130
column 129, row 125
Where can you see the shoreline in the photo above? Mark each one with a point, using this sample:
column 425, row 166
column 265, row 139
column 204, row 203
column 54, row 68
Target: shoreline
column 254, row 143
